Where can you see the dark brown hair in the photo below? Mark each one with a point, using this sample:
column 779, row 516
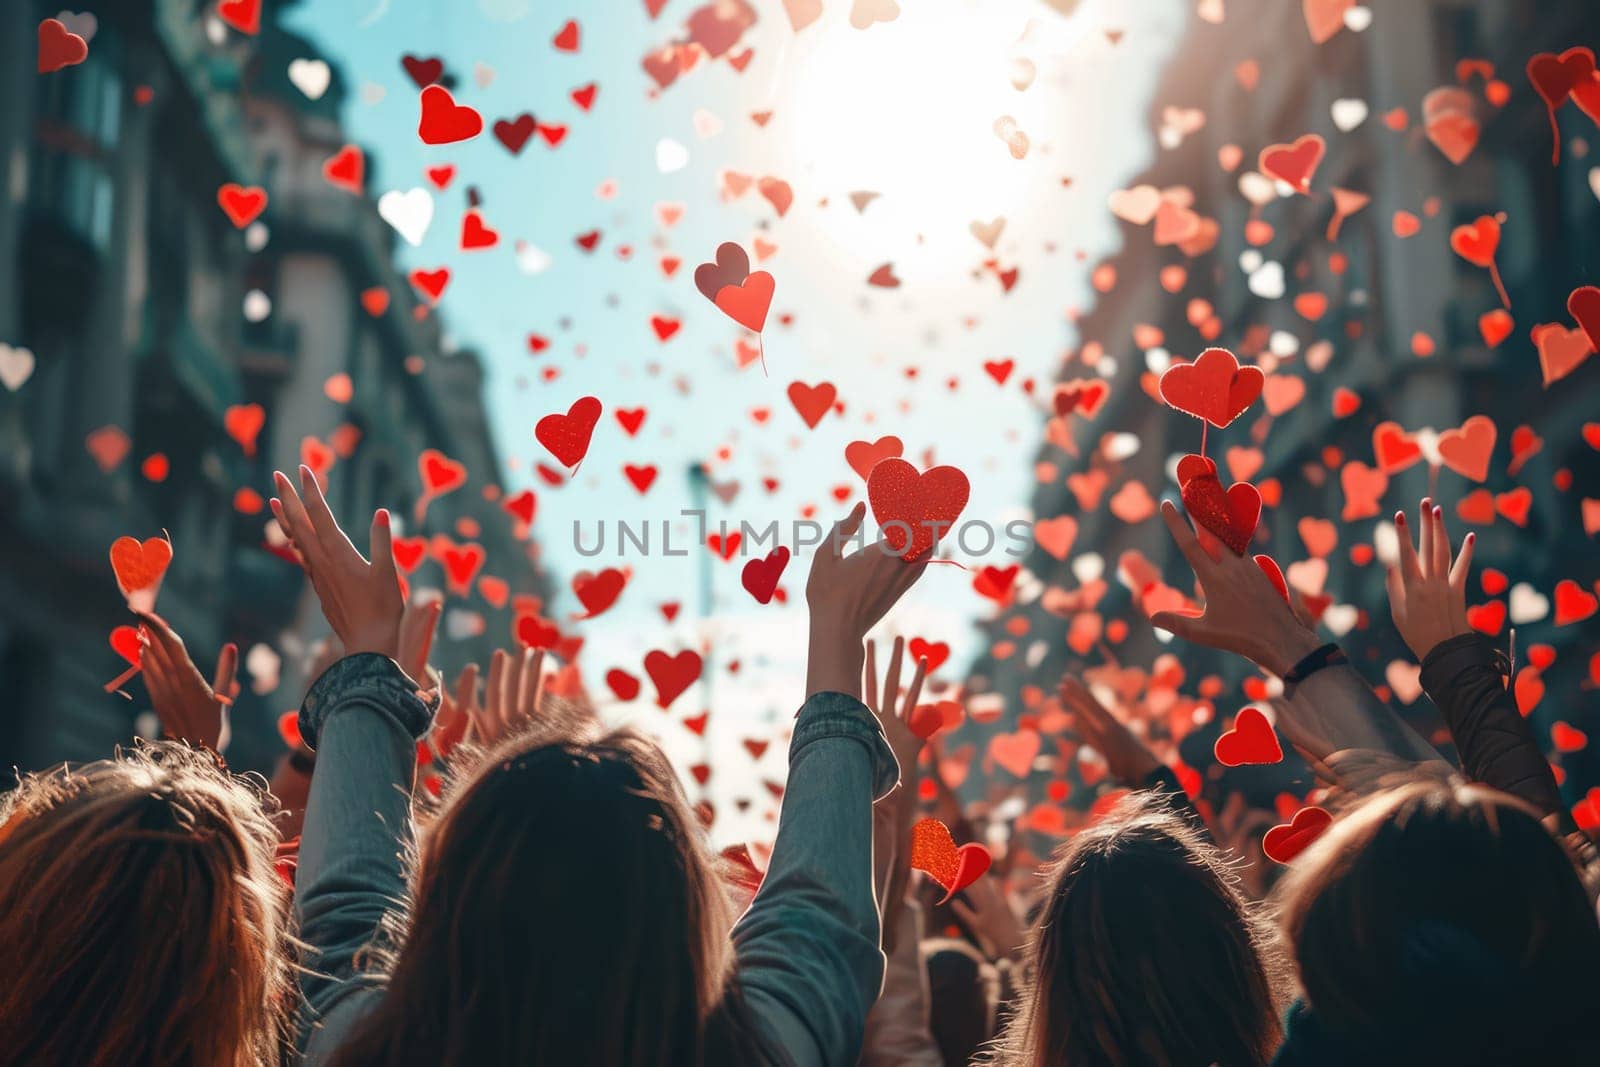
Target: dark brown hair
column 1145, row 952
column 564, row 909
column 141, row 915
column 1444, row 917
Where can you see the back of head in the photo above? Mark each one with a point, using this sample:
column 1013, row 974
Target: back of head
column 1444, row 919
column 1145, row 952
column 139, row 900
column 564, row 910
column 963, row 994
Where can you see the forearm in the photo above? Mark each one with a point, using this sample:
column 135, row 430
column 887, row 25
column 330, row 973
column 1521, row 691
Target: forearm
column 897, row 1027
column 834, row 662
column 808, row 953
column 1337, row 709
column 363, row 719
column 1464, row 678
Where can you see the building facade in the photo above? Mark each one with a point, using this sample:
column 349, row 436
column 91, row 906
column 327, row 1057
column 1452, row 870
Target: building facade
column 1388, row 298
column 149, row 317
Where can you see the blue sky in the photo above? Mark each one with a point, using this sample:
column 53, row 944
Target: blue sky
column 905, row 109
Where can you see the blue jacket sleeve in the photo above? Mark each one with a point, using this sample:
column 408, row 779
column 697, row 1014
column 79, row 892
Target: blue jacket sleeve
column 809, row 962
column 362, row 717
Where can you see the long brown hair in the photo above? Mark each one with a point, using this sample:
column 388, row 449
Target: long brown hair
column 1444, row 919
column 1145, row 952
column 141, row 916
column 564, row 909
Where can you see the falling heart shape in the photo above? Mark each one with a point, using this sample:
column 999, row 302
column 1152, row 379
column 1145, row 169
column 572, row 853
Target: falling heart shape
column 812, row 401
column 1294, row 164
column 863, row 456
column 567, row 436
column 242, row 204
column 125, row 642
column 1214, row 387
column 913, row 508
column 1394, row 449
column 1080, row 394
column 1476, row 243
column 934, row 851
column 1274, row 573
column 444, row 121
column 884, row 277
column 1554, row 78
column 748, row 303
column 672, row 674
column 1232, row 515
column 731, row 267
column 346, row 169
column 760, row 576
column 1467, row 449
column 59, row 47
column 1287, row 840
column 243, row 423
column 242, row 15
column 1324, row 18
column 597, row 592
column 139, row 567
column 1251, row 741
column 440, row 474
column 623, row 684
column 1562, row 351
column 934, row 653
column 1584, row 307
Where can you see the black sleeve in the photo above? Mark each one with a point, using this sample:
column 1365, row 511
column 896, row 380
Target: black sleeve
column 1464, row 676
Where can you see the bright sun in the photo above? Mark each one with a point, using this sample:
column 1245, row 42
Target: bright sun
column 907, row 109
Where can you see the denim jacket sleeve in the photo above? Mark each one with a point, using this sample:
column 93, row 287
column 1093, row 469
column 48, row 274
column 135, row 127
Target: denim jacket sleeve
column 362, row 717
column 808, row 951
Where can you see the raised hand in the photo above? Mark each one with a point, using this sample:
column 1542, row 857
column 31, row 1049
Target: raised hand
column 847, row 596
column 1244, row 614
column 1126, row 757
column 892, row 712
column 511, row 698
column 986, row 911
column 1427, row 590
column 360, row 600
column 418, row 623
column 188, row 708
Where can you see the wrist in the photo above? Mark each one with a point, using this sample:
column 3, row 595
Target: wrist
column 1286, row 649
column 834, row 663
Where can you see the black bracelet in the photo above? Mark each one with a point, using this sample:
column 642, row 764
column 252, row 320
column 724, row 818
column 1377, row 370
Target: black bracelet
column 1328, row 655
column 302, row 761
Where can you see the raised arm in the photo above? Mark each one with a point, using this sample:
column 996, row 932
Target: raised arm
column 363, row 717
column 809, row 961
column 1329, row 709
column 1463, row 673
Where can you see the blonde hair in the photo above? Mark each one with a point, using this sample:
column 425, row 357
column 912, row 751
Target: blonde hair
column 144, row 915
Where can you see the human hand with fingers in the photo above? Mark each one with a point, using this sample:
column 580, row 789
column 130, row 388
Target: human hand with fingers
column 1126, row 756
column 987, row 911
column 1427, row 588
column 361, row 600
column 1244, row 613
column 189, row 709
column 892, row 712
column 847, row 596
column 511, row 697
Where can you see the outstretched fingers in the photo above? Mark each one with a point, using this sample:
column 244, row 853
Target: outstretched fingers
column 1188, row 542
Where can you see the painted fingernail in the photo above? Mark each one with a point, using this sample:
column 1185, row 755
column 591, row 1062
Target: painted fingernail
column 1399, row 518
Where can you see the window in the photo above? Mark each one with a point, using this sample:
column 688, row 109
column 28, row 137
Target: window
column 78, row 125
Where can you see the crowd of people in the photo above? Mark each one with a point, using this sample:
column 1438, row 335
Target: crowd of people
column 559, row 902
